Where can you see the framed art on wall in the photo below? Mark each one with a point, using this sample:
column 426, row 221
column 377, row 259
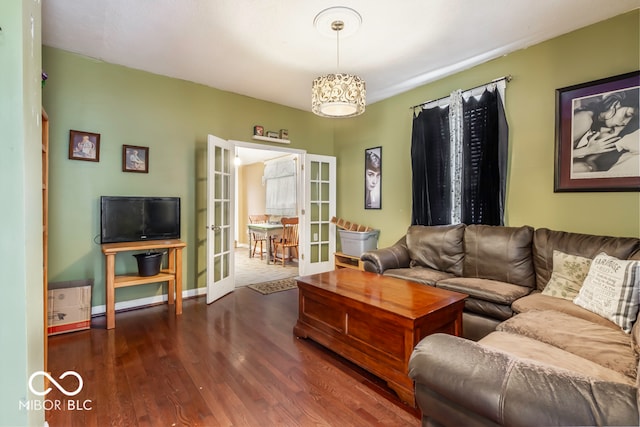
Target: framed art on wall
column 135, row 159
column 598, row 136
column 84, row 146
column 372, row 178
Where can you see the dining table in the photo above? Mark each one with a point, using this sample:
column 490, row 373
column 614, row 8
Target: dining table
column 269, row 231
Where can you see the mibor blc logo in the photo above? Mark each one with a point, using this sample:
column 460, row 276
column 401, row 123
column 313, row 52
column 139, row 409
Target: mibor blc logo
column 57, row 405
column 58, row 386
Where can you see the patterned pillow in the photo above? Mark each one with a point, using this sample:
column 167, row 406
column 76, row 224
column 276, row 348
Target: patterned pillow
column 611, row 290
column 569, row 272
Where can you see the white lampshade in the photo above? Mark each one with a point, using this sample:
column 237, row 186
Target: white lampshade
column 338, row 95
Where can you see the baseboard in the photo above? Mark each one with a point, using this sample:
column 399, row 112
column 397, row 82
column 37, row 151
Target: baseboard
column 100, row 310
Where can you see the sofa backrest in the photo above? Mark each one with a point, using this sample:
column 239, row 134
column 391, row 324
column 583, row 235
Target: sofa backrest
column 437, row 246
column 499, row 253
column 545, row 241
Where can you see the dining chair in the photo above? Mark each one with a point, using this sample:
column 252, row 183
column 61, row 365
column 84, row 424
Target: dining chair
column 258, row 237
column 287, row 241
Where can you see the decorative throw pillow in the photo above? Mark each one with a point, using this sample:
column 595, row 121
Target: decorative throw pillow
column 569, row 272
column 611, row 290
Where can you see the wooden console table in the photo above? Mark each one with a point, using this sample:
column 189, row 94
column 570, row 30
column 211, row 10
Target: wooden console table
column 342, row 260
column 172, row 274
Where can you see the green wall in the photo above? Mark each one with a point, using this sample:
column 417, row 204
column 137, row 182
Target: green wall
column 21, row 309
column 605, row 49
column 173, row 118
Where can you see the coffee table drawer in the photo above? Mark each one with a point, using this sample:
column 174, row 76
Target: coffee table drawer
column 322, row 314
column 376, row 337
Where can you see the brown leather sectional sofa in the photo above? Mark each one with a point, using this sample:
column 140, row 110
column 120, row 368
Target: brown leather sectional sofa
column 526, row 358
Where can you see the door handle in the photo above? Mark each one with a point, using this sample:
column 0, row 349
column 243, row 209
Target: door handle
column 213, row 227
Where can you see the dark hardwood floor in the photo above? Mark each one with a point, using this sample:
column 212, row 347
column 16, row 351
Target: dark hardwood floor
column 235, row 362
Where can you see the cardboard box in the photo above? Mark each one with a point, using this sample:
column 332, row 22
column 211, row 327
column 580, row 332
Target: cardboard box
column 69, row 306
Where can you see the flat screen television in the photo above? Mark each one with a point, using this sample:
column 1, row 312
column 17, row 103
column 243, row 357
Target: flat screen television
column 131, row 219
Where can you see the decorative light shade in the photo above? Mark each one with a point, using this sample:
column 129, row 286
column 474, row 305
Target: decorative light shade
column 338, row 95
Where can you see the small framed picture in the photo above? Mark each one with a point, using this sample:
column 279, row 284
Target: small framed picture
column 272, row 134
column 258, row 130
column 84, row 146
column 284, row 134
column 135, row 159
column 372, row 178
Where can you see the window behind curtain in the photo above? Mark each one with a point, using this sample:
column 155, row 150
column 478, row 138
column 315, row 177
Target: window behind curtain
column 472, row 191
column 280, row 186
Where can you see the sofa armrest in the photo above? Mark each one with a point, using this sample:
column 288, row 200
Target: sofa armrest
column 396, row 256
column 461, row 380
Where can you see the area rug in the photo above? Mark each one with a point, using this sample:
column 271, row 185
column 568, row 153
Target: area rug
column 267, row 288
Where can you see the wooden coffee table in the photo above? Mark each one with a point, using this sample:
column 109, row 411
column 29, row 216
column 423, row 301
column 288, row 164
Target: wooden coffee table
column 375, row 321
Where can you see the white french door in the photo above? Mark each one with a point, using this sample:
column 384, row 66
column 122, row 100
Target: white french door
column 220, row 218
column 319, row 242
column 316, row 208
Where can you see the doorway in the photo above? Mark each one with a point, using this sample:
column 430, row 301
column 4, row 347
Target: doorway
column 315, row 206
column 250, row 199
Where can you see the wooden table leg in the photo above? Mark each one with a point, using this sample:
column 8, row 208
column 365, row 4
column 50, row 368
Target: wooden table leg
column 171, row 284
column 269, row 248
column 178, row 270
column 111, row 291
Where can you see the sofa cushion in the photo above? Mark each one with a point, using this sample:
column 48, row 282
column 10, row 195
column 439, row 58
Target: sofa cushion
column 635, row 338
column 605, row 346
column 611, row 290
column 486, row 309
column 485, row 289
column 545, row 241
column 569, row 272
column 486, row 297
column 537, row 301
column 439, row 247
column 543, row 353
column 424, row 275
column 499, row 253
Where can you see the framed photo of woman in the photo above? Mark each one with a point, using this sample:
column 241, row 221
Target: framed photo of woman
column 373, row 178
column 598, row 135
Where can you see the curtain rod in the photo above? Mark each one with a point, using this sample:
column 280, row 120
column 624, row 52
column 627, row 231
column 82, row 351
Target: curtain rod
column 507, row 78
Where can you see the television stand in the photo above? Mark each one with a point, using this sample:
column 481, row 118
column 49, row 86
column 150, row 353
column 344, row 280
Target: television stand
column 172, row 274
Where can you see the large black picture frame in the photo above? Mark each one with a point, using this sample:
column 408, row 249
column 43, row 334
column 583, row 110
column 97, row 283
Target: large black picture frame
column 595, row 149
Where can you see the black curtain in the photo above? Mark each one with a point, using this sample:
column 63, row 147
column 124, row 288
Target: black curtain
column 430, row 167
column 484, row 163
column 484, row 160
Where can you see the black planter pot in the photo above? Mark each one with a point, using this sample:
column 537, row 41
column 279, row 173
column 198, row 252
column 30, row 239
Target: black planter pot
column 149, row 263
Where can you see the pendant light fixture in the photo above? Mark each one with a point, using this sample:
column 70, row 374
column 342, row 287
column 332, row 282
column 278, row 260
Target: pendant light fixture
column 339, row 94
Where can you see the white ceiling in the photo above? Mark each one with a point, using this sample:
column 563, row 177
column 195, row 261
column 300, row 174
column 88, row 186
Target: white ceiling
column 249, row 156
column 270, row 49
